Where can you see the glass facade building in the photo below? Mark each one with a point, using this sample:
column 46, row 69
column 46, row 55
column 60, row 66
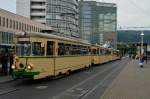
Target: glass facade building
column 62, row 15
column 98, row 22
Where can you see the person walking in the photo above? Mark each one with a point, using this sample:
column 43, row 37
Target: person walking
column 141, row 60
column 4, row 62
column 11, row 58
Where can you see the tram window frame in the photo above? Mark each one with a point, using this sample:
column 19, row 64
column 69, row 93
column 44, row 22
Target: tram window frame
column 97, row 51
column 23, row 48
column 64, row 49
column 61, row 49
column 67, row 49
column 84, row 50
column 94, row 51
column 108, row 52
column 102, row 51
column 50, row 48
column 74, row 48
column 37, row 46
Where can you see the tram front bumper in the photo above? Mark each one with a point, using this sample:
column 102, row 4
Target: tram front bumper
column 24, row 74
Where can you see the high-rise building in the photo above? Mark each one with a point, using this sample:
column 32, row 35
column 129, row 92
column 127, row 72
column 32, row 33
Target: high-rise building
column 61, row 15
column 33, row 9
column 98, row 22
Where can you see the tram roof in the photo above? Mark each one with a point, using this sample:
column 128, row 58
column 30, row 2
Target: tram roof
column 46, row 35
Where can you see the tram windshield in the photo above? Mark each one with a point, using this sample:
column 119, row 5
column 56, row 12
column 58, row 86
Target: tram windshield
column 29, row 49
column 23, row 49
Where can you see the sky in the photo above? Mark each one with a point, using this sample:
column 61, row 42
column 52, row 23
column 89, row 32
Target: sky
column 131, row 13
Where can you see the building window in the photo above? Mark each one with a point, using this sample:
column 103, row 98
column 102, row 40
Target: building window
column 30, row 28
column 10, row 23
column 7, row 23
column 13, row 24
column 3, row 22
column 0, row 20
column 25, row 27
column 17, row 25
column 22, row 26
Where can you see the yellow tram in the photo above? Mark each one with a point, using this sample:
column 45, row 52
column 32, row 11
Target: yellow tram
column 40, row 55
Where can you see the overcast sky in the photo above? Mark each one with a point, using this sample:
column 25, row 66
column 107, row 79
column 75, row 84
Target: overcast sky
column 131, row 13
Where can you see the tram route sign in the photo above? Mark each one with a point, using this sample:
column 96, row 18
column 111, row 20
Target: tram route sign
column 24, row 39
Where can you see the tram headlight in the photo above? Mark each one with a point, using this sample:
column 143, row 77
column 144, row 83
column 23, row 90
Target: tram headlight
column 13, row 66
column 30, row 66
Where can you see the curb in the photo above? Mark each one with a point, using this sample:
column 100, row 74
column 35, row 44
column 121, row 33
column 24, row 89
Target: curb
column 6, row 81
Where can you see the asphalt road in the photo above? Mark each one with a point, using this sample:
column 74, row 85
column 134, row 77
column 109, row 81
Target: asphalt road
column 85, row 84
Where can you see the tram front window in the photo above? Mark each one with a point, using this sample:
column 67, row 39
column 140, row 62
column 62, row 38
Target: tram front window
column 23, row 49
column 37, row 49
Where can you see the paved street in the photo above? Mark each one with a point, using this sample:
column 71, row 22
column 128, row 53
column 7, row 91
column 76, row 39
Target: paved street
column 132, row 83
column 86, row 84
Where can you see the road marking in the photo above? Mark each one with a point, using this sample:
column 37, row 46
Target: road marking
column 41, row 87
column 2, row 92
column 79, row 84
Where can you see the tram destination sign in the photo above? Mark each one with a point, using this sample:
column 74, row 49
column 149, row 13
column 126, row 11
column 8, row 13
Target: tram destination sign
column 24, row 39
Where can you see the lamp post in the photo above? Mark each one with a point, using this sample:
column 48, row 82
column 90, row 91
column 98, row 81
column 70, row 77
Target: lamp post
column 142, row 50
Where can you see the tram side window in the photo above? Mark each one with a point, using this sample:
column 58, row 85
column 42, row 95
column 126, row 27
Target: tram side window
column 50, row 48
column 108, row 52
column 74, row 50
column 64, row 49
column 61, row 49
column 37, row 49
column 68, row 49
column 98, row 51
column 84, row 50
column 94, row 51
column 102, row 51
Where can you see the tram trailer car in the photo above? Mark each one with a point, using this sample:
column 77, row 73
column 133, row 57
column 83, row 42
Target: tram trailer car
column 41, row 55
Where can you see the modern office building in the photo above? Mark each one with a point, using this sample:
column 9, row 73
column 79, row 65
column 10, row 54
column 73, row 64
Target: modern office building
column 11, row 24
column 33, row 9
column 62, row 15
column 98, row 22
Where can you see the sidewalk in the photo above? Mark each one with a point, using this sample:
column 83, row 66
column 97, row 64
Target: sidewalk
column 132, row 83
column 4, row 79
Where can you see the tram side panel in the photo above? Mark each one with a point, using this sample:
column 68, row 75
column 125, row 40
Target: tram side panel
column 95, row 59
column 44, row 65
column 64, row 64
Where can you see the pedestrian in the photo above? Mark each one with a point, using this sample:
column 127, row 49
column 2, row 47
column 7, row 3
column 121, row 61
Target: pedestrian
column 11, row 58
column 141, row 60
column 0, row 63
column 4, row 61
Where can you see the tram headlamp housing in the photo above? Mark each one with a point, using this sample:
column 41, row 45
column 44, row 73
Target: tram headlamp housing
column 30, row 66
column 13, row 66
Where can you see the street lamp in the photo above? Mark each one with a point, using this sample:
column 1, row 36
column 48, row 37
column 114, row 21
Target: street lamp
column 142, row 50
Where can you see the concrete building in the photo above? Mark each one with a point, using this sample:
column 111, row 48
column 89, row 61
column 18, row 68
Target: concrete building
column 33, row 9
column 62, row 15
column 98, row 22
column 11, row 24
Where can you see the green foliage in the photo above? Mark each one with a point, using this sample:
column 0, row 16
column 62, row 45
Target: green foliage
column 126, row 48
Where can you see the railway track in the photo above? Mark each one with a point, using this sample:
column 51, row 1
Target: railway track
column 85, row 88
